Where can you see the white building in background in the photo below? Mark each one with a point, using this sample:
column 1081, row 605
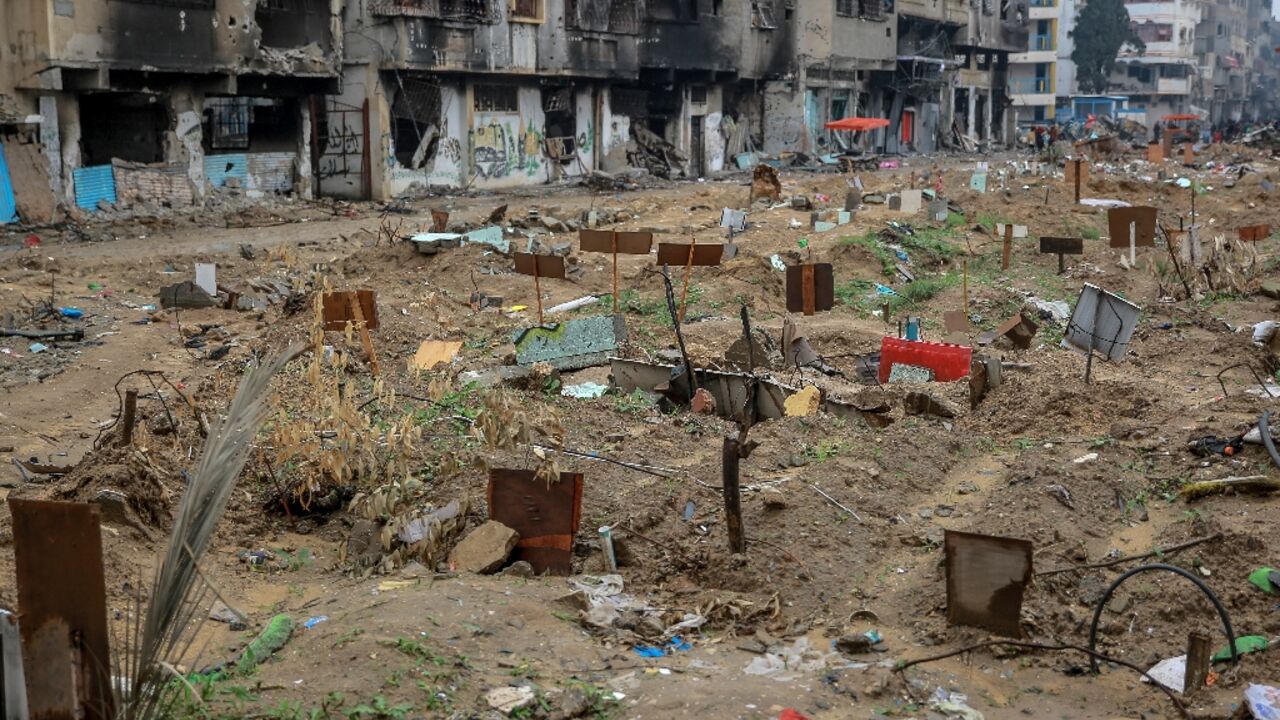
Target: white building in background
column 1162, row 79
column 1033, row 74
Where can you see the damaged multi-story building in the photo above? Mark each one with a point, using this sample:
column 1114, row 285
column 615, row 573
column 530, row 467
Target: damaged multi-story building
column 129, row 103
column 160, row 102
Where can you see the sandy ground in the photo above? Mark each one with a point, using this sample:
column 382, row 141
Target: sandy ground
column 1087, row 472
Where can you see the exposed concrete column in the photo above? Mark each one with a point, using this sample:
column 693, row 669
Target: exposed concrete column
column 970, row 121
column 184, row 144
column 304, row 187
column 69, row 130
column 49, row 138
column 986, row 123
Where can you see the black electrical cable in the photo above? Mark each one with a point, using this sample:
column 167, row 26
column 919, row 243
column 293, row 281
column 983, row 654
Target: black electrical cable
column 1265, row 429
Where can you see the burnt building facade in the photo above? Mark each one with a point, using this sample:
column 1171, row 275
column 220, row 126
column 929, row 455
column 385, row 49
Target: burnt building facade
column 160, row 102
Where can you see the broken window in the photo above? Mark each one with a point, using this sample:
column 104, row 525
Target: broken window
column 292, row 23
column 463, row 10
column 227, row 119
column 1154, row 32
column 530, row 10
column 614, row 16
column 632, row 103
column 415, row 121
column 864, row 9
column 560, row 124
column 184, row 4
column 256, row 124
column 673, row 10
column 496, row 98
column 762, row 15
column 135, row 133
column 698, row 94
column 847, row 8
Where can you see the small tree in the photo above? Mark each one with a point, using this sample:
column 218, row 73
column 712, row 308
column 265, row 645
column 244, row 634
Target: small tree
column 1102, row 28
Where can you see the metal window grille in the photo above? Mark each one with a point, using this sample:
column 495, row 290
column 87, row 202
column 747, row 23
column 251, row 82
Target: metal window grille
column 229, row 122
column 496, row 98
column 847, row 8
column 531, row 9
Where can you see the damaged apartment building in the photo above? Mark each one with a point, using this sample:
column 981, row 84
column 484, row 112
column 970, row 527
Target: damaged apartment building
column 119, row 103
column 159, row 103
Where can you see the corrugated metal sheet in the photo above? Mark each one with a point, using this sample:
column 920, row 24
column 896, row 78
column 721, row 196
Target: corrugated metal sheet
column 271, row 172
column 8, row 207
column 93, row 185
column 217, row 168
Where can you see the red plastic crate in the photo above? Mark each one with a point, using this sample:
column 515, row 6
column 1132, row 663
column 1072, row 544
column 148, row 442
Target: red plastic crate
column 947, row 361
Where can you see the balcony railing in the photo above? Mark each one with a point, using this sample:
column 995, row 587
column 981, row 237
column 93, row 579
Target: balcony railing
column 1030, row 86
column 1041, row 42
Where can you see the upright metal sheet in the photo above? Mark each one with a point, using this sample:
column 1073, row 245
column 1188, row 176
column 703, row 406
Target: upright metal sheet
column 337, row 312
column 986, row 578
column 629, row 243
column 1255, row 233
column 1063, row 245
column 62, row 609
column 93, row 185
column 810, row 288
column 1119, row 219
column 547, row 266
column 545, row 514
column 8, row 205
column 677, row 254
column 217, row 168
column 1115, row 323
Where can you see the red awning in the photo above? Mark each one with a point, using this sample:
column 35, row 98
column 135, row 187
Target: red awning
column 857, row 124
column 1179, row 118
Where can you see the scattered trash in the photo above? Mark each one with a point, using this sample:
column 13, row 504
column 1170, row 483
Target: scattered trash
column 1263, row 701
column 1212, row 445
column 953, row 705
column 507, row 700
column 1089, row 457
column 37, row 347
column 1245, row 644
column 1170, row 672
column 572, row 305
column 70, row 312
column 584, row 391
column 777, row 263
column 1266, row 579
column 314, row 621
column 786, row 662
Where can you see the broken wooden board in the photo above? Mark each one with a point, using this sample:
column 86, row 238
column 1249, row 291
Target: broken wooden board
column 62, row 605
column 434, row 352
column 1061, row 245
column 986, row 579
column 1119, row 219
column 543, row 266
column 336, row 309
column 545, row 514
column 810, row 288
column 677, row 254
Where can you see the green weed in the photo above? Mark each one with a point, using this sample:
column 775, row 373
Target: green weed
column 637, row 403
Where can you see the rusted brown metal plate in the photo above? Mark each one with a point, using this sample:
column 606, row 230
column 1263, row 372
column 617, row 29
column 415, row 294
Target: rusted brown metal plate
column 1065, row 245
column 337, row 310
column 62, row 609
column 545, row 514
column 1074, row 167
column 678, row 253
column 986, row 578
column 629, row 243
column 1118, row 220
column 547, row 266
column 810, row 288
column 1254, row 233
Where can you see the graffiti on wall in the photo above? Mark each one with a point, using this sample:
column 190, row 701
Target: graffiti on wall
column 502, row 148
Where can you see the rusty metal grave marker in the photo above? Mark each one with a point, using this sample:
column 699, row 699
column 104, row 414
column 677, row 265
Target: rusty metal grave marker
column 689, row 254
column 1077, row 173
column 1020, row 329
column 62, row 606
column 1255, row 233
column 359, row 307
column 616, row 243
column 539, row 266
column 1132, row 227
column 986, row 578
column 810, row 288
column 545, row 514
column 439, row 221
column 1062, row 246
